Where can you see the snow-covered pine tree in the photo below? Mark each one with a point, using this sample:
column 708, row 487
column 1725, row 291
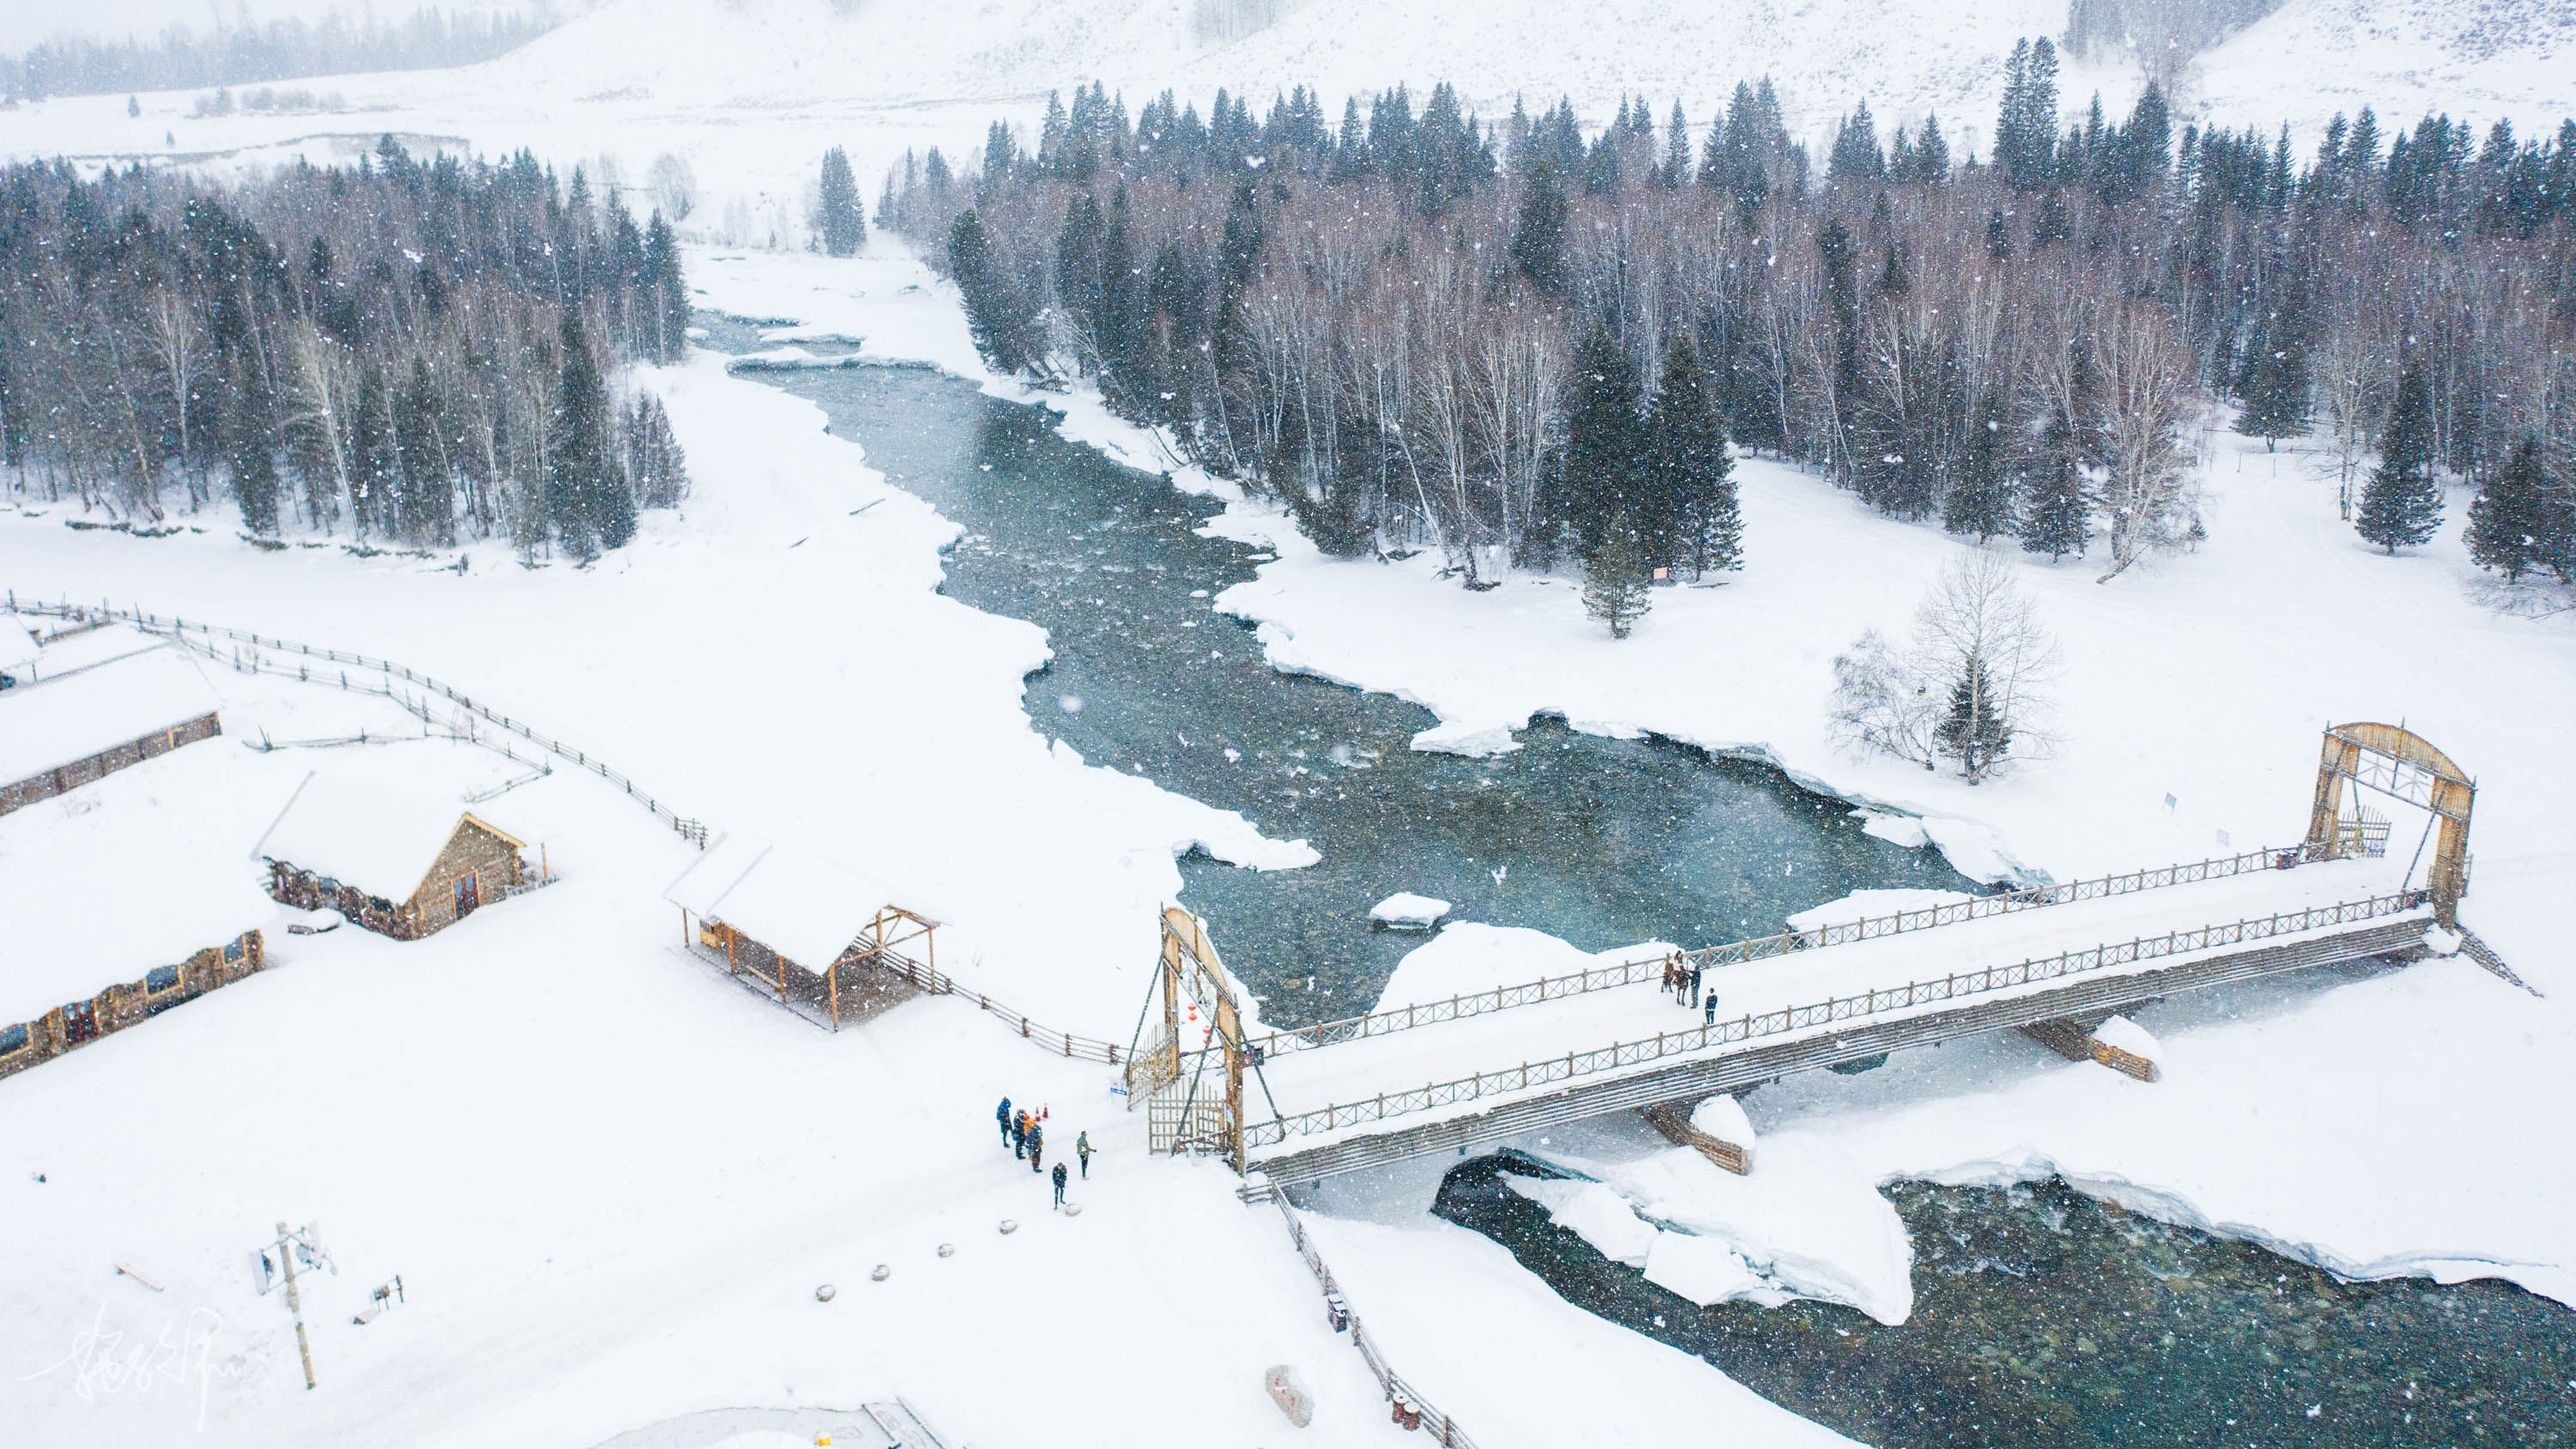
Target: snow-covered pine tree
column 1602, row 452
column 577, row 458
column 1687, row 470
column 844, row 223
column 1617, row 586
column 428, row 483
column 1538, row 231
column 2056, row 514
column 2273, row 383
column 375, row 474
column 1981, row 496
column 996, row 313
column 2509, row 524
column 2401, row 505
column 1973, row 729
column 251, row 449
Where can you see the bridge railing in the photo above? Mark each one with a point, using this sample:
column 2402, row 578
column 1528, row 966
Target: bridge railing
column 1736, row 953
column 1876, row 1002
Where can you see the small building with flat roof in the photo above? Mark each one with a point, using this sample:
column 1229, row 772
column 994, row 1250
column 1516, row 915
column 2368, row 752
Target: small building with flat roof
column 61, row 733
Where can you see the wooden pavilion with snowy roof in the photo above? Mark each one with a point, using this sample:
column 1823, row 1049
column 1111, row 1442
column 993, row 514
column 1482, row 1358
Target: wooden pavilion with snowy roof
column 801, row 926
column 400, row 865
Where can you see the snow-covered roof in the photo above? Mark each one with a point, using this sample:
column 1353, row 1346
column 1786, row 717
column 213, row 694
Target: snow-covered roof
column 798, row 904
column 57, row 721
column 17, row 643
column 380, row 841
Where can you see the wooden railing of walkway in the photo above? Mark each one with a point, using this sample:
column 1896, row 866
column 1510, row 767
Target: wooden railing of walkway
column 253, row 653
column 1755, row 1025
column 1735, row 953
column 1442, row 1429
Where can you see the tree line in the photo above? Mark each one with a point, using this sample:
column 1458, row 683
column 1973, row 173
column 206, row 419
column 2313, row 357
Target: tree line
column 1421, row 328
column 418, row 352
column 283, row 49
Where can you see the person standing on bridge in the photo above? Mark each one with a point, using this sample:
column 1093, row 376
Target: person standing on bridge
column 1082, row 1149
column 1059, row 1184
column 1002, row 1118
column 1710, row 1005
column 1694, row 983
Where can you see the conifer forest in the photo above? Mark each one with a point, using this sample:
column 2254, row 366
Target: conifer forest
column 1524, row 345
column 409, row 353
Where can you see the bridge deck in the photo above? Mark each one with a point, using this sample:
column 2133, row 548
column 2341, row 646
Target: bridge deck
column 1497, row 1044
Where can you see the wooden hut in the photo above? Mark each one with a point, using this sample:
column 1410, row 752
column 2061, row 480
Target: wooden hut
column 399, row 865
column 71, row 729
column 78, row 1023
column 802, row 927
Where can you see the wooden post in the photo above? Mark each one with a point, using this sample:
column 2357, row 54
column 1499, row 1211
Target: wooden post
column 832, row 981
column 733, row 962
column 684, row 928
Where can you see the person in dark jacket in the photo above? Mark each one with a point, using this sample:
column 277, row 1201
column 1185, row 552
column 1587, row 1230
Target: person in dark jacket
column 1059, row 1184
column 1037, row 1140
column 1694, row 984
column 1082, row 1149
column 1020, row 1134
column 1002, row 1118
column 1711, row 1001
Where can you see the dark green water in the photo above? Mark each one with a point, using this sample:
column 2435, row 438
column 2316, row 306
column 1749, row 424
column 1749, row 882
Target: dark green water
column 2045, row 1318
column 2042, row 1317
column 1603, row 842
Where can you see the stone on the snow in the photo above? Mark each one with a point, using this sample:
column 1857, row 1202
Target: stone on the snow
column 1289, row 1392
column 1405, row 911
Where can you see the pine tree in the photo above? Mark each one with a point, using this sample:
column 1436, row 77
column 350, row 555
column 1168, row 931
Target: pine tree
column 251, row 449
column 1602, row 452
column 1973, row 729
column 375, row 472
column 1981, row 497
column 845, row 226
column 1687, row 470
column 1538, row 232
column 2401, row 504
column 2509, row 525
column 428, row 484
column 996, row 313
column 2056, row 515
column 1999, row 241
column 2273, row 382
column 1617, row 589
column 579, row 473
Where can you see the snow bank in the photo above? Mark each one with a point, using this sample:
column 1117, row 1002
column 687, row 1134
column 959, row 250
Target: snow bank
column 1591, row 1212
column 1703, row 1270
column 1409, row 912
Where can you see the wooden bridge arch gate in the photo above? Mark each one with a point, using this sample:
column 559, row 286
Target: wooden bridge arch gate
column 1188, row 1076
column 2396, row 761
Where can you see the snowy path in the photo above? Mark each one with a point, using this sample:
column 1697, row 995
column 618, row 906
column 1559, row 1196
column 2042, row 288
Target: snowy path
column 1356, row 1071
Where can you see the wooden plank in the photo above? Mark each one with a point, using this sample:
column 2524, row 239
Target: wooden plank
column 1674, row 1122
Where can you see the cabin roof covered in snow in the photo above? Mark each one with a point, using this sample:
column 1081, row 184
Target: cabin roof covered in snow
column 380, row 841
column 801, row 905
column 17, row 642
column 53, row 722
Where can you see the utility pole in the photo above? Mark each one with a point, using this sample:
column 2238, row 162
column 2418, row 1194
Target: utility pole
column 288, row 1244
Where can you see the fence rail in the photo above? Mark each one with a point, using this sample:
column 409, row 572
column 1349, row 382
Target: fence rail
column 304, row 657
column 1063, row 1044
column 1754, row 1025
column 1443, row 1429
column 1736, row 953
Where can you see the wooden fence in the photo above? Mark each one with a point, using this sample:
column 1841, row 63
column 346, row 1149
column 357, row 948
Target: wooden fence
column 1443, row 1429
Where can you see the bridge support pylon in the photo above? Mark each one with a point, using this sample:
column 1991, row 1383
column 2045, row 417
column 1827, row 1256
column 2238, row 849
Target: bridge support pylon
column 2072, row 1037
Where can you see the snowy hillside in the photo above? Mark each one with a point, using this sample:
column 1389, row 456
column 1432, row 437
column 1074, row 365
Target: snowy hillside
column 749, row 94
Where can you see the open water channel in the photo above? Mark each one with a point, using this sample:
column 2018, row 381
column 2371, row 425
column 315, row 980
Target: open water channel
column 2041, row 1317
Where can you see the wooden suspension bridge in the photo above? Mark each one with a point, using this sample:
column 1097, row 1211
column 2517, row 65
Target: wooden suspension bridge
column 1433, row 1078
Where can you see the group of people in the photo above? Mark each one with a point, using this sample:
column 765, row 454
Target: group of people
column 1683, row 982
column 1025, row 1131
